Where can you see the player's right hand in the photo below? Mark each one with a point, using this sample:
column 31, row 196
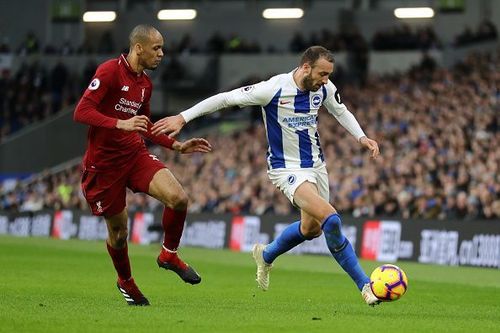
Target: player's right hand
column 169, row 125
column 134, row 124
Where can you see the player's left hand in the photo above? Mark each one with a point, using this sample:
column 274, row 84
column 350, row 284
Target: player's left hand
column 195, row 145
column 372, row 145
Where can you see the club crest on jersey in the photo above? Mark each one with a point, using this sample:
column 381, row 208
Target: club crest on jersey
column 94, row 84
column 316, row 100
column 99, row 206
column 247, row 89
column 291, row 179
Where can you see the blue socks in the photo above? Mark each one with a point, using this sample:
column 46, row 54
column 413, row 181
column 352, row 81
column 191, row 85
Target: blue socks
column 289, row 238
column 339, row 246
column 342, row 251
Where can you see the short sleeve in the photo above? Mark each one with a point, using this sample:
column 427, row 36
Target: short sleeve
column 102, row 81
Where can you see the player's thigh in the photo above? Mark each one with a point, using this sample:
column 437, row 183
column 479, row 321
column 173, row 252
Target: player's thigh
column 150, row 176
column 165, row 187
column 308, row 199
column 322, row 183
column 288, row 180
column 105, row 192
column 146, row 166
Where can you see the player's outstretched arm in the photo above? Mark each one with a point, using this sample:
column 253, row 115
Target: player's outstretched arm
column 258, row 94
column 195, row 145
column 336, row 107
column 172, row 125
column 372, row 145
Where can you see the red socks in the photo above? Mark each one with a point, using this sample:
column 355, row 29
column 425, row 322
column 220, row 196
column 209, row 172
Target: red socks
column 172, row 258
column 173, row 224
column 120, row 261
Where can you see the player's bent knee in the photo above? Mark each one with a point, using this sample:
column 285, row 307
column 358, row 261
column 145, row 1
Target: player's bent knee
column 311, row 232
column 311, row 235
column 331, row 224
column 180, row 201
column 122, row 237
column 118, row 237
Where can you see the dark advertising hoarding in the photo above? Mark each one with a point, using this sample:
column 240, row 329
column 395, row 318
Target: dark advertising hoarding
column 464, row 243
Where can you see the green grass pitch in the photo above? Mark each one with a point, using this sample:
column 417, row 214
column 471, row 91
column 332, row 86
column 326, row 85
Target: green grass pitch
column 50, row 285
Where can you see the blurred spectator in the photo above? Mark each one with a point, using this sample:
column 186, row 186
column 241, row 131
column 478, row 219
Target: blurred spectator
column 58, row 81
column 30, row 45
column 32, row 93
column 358, row 56
column 186, row 46
column 216, row 44
column 404, row 38
column 33, row 202
column 4, row 45
column 297, row 44
column 67, row 48
column 486, row 31
column 88, row 73
column 106, row 43
column 173, row 73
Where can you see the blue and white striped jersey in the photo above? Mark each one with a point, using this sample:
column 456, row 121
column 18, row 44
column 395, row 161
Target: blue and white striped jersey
column 290, row 117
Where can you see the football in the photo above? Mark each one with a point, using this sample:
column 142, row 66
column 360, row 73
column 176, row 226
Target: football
column 388, row 282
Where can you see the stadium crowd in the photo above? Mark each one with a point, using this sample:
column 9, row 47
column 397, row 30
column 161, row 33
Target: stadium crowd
column 486, row 31
column 36, row 91
column 397, row 37
column 439, row 132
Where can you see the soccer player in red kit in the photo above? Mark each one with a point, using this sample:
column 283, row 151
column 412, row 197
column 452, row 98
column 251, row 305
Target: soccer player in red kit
column 116, row 107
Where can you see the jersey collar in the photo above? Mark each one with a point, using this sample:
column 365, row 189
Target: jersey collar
column 290, row 74
column 122, row 60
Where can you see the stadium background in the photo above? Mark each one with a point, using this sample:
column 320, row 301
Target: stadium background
column 427, row 89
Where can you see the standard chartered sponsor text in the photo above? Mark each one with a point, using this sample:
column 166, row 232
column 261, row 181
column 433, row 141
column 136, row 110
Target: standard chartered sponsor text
column 128, row 106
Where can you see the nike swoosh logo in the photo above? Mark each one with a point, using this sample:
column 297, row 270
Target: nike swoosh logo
column 284, row 102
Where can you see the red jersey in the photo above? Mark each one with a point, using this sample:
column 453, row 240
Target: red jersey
column 115, row 92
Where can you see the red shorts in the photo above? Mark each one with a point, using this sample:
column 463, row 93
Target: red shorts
column 105, row 192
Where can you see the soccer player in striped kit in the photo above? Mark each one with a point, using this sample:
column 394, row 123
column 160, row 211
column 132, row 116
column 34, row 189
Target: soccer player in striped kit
column 290, row 104
column 116, row 108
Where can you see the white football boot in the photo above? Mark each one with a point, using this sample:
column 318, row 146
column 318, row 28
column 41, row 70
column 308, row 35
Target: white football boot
column 263, row 268
column 368, row 295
